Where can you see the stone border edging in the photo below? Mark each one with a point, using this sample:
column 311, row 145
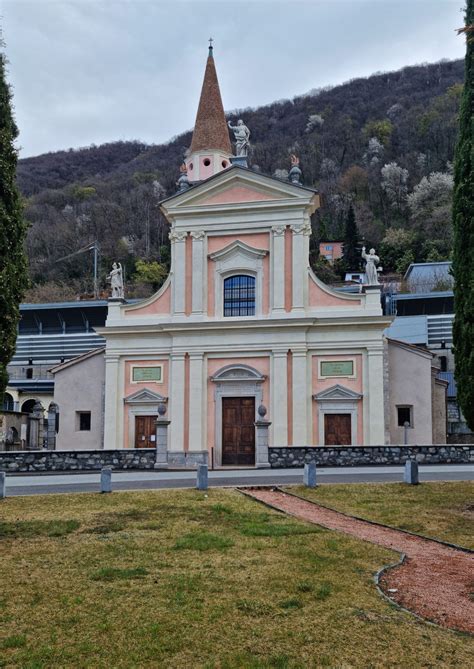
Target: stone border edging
column 464, row 549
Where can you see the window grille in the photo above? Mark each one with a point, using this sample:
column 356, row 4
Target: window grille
column 239, row 296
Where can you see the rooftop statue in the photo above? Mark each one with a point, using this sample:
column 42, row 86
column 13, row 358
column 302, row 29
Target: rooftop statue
column 116, row 281
column 294, row 175
column 371, row 277
column 241, row 136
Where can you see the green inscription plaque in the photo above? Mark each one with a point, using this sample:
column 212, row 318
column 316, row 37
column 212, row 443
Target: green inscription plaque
column 141, row 374
column 337, row 368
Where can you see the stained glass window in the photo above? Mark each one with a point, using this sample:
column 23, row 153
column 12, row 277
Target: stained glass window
column 239, row 296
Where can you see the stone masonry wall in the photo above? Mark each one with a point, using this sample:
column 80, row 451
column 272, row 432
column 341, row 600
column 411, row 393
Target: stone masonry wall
column 350, row 456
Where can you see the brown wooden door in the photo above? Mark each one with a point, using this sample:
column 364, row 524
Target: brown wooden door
column 238, row 431
column 145, row 431
column 337, row 429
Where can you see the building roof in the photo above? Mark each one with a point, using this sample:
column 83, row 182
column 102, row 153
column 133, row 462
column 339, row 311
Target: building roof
column 210, row 128
column 79, row 358
column 429, row 270
column 449, row 378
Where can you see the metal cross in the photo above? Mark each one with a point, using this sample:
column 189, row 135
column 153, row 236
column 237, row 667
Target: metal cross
column 210, row 42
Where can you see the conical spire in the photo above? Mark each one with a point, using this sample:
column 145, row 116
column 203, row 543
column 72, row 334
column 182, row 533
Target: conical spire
column 210, row 130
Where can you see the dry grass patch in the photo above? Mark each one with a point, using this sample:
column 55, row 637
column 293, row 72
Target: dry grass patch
column 441, row 510
column 190, row 580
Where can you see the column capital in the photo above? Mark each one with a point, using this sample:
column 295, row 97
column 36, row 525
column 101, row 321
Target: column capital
column 299, row 352
column 177, row 355
column 196, row 355
column 175, row 236
column 280, row 353
column 278, row 230
column 301, row 228
column 198, row 234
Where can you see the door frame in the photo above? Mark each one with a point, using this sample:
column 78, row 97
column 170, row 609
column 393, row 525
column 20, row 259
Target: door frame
column 141, row 415
column 338, row 413
column 143, row 402
column 234, row 381
column 338, row 399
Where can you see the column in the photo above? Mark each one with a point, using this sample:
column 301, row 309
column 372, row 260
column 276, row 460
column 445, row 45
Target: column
column 301, row 233
column 196, row 402
column 278, row 265
column 198, row 271
column 373, row 394
column 178, row 254
column 176, row 402
column 279, row 388
column 300, row 399
column 111, row 393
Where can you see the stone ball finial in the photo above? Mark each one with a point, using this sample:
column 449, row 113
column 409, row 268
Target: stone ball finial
column 161, row 409
column 262, row 411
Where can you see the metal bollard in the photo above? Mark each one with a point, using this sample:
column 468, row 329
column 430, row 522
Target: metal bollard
column 3, row 485
column 201, row 479
column 309, row 475
column 410, row 474
column 106, row 479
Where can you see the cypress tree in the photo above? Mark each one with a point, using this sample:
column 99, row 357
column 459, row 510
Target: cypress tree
column 13, row 266
column 350, row 250
column 463, row 222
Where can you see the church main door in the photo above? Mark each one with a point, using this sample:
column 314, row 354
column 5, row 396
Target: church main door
column 337, row 429
column 238, row 431
column 145, row 431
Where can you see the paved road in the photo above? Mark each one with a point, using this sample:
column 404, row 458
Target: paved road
column 40, row 484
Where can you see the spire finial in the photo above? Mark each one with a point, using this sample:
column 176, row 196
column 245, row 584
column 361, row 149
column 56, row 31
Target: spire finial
column 210, row 45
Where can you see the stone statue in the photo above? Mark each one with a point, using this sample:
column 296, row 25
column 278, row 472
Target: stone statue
column 116, row 280
column 294, row 175
column 241, row 136
column 183, row 181
column 371, row 277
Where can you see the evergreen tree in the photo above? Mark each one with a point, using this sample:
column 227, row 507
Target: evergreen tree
column 13, row 267
column 463, row 222
column 350, row 248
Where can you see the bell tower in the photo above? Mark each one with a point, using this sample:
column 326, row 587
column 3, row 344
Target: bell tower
column 211, row 149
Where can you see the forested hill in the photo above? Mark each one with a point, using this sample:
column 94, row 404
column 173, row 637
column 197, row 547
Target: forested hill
column 383, row 144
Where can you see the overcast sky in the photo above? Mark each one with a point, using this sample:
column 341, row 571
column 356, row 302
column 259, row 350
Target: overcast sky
column 94, row 71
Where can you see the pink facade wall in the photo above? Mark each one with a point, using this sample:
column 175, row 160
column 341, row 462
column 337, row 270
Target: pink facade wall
column 237, row 194
column 259, row 240
column 214, row 365
column 161, row 305
column 320, row 298
column 130, row 388
column 354, row 384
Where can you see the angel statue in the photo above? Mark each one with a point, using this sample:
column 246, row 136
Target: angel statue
column 241, row 136
column 371, row 259
column 116, row 280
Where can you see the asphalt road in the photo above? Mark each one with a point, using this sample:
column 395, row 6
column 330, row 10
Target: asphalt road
column 41, row 484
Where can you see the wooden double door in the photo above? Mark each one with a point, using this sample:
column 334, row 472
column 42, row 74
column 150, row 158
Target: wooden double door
column 337, row 429
column 238, row 431
column 145, row 431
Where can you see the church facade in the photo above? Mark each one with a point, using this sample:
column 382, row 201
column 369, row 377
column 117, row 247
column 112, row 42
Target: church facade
column 242, row 321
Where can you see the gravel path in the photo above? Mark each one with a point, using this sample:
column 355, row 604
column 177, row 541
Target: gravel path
column 435, row 581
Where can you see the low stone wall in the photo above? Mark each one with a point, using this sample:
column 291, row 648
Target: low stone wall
column 351, row 456
column 65, row 461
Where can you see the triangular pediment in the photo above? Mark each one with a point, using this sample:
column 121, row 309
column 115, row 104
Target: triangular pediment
column 238, row 249
column 238, row 186
column 337, row 392
column 144, row 396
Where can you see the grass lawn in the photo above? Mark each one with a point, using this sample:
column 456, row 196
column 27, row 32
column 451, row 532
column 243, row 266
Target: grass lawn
column 183, row 579
column 443, row 510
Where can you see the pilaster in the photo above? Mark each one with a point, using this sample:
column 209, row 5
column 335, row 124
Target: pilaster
column 374, row 396
column 301, row 234
column 280, row 398
column 197, row 418
column 111, row 399
column 278, row 268
column 176, row 442
column 198, row 237
column 178, row 254
column 300, row 398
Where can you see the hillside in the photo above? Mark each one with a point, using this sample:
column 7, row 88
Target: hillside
column 371, row 142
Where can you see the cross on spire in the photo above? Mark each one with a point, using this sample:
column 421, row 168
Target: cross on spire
column 210, row 45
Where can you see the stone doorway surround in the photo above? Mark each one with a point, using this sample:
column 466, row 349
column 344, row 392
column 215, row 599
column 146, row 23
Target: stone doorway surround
column 143, row 402
column 235, row 380
column 334, row 400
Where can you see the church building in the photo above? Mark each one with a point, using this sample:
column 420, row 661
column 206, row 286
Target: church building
column 243, row 321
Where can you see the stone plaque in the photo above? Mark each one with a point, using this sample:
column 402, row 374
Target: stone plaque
column 144, row 374
column 337, row 368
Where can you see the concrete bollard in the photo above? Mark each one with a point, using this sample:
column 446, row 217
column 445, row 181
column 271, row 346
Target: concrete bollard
column 106, row 479
column 309, row 475
column 410, row 474
column 3, row 485
column 201, row 479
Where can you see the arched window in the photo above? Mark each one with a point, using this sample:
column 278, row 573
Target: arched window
column 239, row 295
column 8, row 402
